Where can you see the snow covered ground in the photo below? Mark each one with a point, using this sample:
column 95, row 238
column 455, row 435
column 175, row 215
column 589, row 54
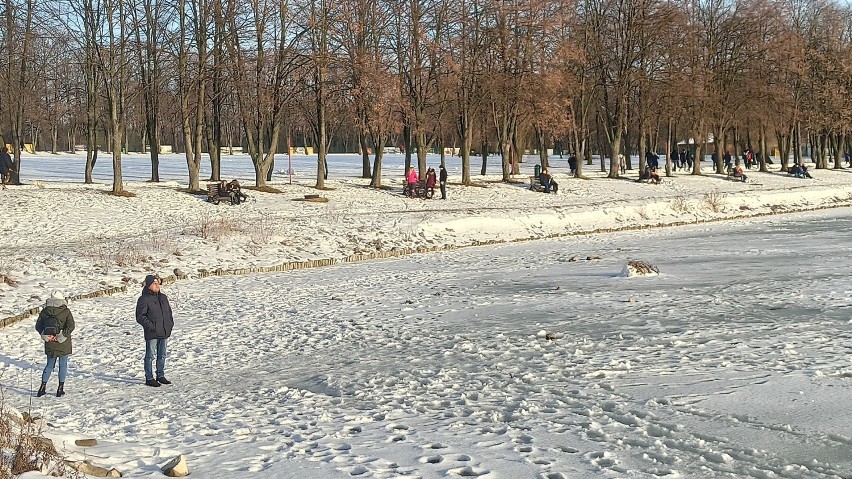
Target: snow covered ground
column 530, row 359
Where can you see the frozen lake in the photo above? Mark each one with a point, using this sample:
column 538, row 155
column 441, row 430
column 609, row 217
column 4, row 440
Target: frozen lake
column 137, row 167
column 733, row 362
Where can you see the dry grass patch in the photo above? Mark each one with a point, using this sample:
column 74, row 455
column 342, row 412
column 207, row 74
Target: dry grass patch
column 262, row 189
column 680, row 205
column 23, row 448
column 123, row 194
column 312, row 199
column 192, row 192
column 715, row 201
column 211, row 227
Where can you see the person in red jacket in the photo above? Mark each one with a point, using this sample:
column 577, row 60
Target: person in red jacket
column 430, row 182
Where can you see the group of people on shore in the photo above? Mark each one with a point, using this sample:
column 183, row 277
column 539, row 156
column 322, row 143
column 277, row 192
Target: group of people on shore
column 55, row 324
column 412, row 182
column 682, row 159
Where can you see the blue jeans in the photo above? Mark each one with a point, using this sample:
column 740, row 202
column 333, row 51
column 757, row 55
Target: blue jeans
column 155, row 347
column 51, row 363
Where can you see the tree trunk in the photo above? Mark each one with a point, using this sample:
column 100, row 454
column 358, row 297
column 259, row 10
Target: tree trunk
column 785, row 140
column 542, row 146
column 797, row 144
column 115, row 116
column 764, row 153
column 379, row 140
column 838, row 151
column 365, row 153
column 54, row 137
column 484, row 146
column 669, row 142
column 406, row 141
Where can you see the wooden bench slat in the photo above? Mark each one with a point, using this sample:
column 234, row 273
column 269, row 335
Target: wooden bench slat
column 213, row 194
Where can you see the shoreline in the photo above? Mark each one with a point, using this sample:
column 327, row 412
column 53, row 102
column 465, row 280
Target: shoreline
column 218, row 270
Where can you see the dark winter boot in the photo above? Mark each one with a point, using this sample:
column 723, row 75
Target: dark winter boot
column 60, row 391
column 41, row 391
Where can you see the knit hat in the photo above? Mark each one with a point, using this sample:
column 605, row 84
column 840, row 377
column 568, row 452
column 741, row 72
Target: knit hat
column 56, row 299
column 150, row 279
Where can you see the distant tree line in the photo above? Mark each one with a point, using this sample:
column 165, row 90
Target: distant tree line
column 486, row 76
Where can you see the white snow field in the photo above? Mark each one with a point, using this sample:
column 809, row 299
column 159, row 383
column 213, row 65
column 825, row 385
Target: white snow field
column 532, row 359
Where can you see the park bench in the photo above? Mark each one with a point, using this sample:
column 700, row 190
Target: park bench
column 734, row 177
column 535, row 184
column 215, row 196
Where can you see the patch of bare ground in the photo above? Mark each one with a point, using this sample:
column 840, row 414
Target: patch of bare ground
column 124, row 194
column 262, row 189
column 312, row 199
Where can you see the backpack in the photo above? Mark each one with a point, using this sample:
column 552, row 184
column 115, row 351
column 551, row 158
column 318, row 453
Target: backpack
column 51, row 326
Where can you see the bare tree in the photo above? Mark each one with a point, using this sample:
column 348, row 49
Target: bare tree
column 147, row 30
column 217, row 96
column 467, row 47
column 615, row 52
column 419, row 31
column 19, row 38
column 194, row 17
column 260, row 40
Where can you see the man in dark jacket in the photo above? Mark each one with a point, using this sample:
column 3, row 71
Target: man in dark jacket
column 154, row 313
column 6, row 166
column 442, row 179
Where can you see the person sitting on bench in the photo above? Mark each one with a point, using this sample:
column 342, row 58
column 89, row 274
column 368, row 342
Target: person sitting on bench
column 796, row 171
column 234, row 191
column 546, row 180
column 737, row 173
column 654, row 176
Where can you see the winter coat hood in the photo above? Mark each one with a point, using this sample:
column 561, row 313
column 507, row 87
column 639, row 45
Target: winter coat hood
column 56, row 299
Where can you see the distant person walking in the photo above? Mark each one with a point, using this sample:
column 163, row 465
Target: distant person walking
column 154, row 313
column 572, row 163
column 6, row 166
column 55, row 324
column 442, row 180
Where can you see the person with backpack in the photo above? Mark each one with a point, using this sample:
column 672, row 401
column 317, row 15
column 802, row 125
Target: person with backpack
column 55, row 324
column 154, row 313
